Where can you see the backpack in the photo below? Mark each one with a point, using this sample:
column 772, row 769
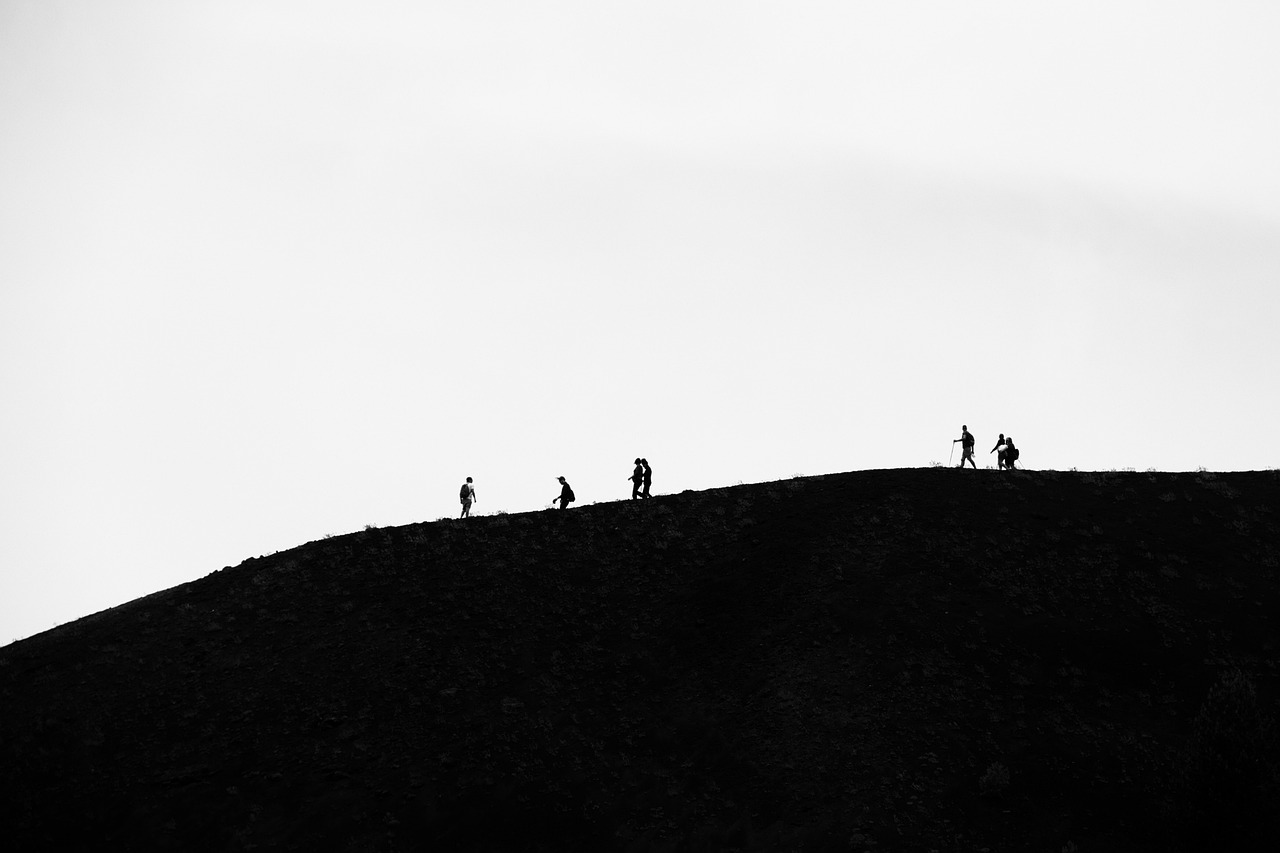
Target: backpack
column 570, row 496
column 466, row 491
column 1013, row 454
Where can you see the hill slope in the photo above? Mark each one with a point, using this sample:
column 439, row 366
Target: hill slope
column 913, row 659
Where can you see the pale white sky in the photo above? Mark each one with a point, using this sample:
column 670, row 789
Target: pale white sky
column 276, row 270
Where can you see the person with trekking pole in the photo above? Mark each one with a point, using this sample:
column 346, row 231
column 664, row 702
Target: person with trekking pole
column 966, row 440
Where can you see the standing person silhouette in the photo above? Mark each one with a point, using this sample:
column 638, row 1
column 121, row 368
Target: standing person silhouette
column 467, row 496
column 636, row 478
column 648, row 478
column 966, row 440
column 566, row 494
column 998, row 450
column 1011, row 453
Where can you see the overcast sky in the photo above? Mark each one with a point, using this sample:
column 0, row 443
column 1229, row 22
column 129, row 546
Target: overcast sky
column 276, row 270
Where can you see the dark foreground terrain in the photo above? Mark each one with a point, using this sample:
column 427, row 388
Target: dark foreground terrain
column 884, row 660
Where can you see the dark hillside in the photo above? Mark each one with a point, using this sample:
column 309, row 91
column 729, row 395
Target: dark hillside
column 884, row 660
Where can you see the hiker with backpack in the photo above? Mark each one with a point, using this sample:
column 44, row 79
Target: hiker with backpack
column 1011, row 453
column 999, row 451
column 637, row 478
column 648, row 478
column 467, row 496
column 566, row 494
column 967, row 441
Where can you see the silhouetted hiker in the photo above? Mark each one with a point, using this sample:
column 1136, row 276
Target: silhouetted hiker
column 467, row 495
column 566, row 493
column 966, row 440
column 648, row 478
column 998, row 450
column 1010, row 453
column 637, row 477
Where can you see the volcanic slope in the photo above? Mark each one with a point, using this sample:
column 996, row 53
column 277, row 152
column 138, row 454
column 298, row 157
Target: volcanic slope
column 924, row 659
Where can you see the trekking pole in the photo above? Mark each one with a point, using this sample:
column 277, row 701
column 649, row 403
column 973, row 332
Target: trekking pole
column 952, row 454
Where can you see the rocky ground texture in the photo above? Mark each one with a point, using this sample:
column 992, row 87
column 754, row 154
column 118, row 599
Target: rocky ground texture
column 921, row 660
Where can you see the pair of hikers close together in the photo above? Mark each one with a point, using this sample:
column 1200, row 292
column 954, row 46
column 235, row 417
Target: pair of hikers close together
column 641, row 479
column 1006, row 453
